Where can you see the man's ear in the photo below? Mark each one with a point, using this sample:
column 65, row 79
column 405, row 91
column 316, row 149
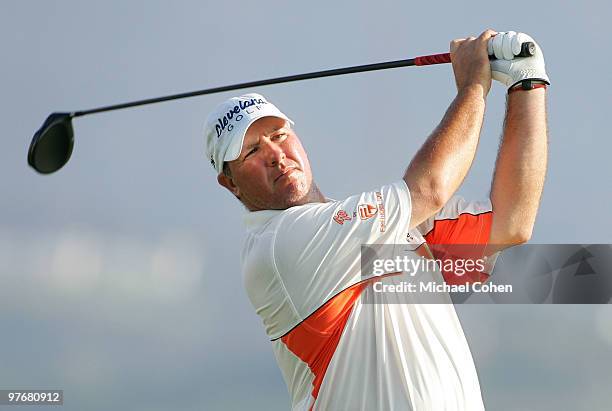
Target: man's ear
column 228, row 183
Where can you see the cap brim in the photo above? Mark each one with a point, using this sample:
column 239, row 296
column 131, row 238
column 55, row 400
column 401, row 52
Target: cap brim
column 233, row 152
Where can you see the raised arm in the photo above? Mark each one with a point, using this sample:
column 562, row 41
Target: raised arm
column 521, row 162
column 520, row 168
column 441, row 164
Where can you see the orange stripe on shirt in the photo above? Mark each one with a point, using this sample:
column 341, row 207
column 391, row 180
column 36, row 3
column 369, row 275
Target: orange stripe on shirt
column 314, row 341
column 466, row 229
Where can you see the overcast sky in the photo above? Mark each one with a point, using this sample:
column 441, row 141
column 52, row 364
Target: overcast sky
column 119, row 275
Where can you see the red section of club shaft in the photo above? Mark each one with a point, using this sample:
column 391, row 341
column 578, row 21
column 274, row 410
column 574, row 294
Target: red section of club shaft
column 433, row 59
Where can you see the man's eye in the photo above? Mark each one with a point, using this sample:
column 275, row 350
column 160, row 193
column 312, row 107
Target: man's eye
column 279, row 137
column 251, row 151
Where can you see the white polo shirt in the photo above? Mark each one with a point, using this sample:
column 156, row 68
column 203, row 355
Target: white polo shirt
column 339, row 344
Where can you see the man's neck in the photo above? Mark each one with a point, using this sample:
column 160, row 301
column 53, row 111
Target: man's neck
column 313, row 196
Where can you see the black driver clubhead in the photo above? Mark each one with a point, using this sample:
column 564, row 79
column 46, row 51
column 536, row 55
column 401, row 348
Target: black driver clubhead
column 52, row 144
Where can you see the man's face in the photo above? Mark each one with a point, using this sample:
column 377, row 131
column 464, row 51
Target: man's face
column 272, row 172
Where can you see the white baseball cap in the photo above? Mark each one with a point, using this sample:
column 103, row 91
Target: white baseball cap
column 227, row 125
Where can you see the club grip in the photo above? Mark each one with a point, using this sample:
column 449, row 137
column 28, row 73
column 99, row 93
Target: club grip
column 528, row 49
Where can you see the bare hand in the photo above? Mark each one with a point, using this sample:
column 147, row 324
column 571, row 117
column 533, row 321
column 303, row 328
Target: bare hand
column 471, row 62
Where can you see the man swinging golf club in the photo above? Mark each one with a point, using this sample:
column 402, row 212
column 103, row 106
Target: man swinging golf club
column 339, row 345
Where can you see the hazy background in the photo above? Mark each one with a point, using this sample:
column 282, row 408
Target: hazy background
column 119, row 275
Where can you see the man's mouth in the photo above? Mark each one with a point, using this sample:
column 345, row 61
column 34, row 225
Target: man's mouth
column 284, row 173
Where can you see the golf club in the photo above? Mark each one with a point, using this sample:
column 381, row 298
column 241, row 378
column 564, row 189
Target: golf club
column 52, row 144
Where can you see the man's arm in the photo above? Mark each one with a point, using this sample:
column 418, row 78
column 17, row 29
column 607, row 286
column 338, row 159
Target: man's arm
column 441, row 164
column 521, row 162
column 520, row 168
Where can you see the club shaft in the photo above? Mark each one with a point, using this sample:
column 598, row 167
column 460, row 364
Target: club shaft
column 278, row 80
column 527, row 49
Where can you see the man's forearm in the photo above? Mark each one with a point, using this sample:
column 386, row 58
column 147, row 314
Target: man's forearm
column 440, row 166
column 520, row 168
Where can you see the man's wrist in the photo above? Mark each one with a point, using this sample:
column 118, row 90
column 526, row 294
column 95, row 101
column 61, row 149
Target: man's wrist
column 473, row 91
column 526, row 97
column 528, row 84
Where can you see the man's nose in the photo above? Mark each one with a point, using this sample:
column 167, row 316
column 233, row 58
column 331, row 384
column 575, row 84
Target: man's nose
column 274, row 154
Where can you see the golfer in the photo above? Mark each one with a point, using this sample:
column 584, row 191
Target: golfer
column 339, row 344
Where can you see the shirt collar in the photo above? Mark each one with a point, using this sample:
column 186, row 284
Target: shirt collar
column 254, row 219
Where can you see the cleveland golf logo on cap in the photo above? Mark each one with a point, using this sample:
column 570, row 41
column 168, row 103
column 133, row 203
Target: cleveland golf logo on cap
column 243, row 105
column 227, row 125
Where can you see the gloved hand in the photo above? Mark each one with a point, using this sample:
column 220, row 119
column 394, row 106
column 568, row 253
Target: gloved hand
column 511, row 70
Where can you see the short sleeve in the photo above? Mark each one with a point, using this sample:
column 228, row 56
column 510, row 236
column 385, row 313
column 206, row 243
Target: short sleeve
column 317, row 248
column 461, row 230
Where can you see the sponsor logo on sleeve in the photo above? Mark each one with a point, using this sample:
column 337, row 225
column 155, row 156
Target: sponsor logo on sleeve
column 381, row 212
column 341, row 216
column 366, row 211
column 414, row 237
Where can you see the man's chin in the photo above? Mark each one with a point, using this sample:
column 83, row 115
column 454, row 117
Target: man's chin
column 295, row 194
